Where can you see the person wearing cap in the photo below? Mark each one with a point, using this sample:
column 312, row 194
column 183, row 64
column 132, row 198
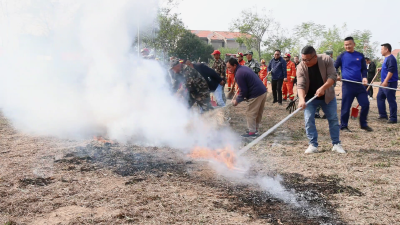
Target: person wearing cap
column 263, row 73
column 240, row 59
column 220, row 67
column 145, row 53
column 214, row 81
column 196, row 85
column 252, row 63
column 287, row 88
column 371, row 67
column 277, row 68
column 315, row 77
column 253, row 91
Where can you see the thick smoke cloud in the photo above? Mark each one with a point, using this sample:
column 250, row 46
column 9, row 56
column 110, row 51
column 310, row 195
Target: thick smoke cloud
column 67, row 69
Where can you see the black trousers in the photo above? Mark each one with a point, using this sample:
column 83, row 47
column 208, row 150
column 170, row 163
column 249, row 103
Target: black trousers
column 371, row 89
column 277, row 90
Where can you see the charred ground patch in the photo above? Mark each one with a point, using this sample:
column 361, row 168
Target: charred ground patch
column 140, row 166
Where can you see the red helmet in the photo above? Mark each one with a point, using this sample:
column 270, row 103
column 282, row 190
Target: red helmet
column 216, row 52
column 145, row 50
column 287, row 55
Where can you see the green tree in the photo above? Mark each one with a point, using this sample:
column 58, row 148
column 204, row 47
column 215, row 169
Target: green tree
column 170, row 30
column 253, row 28
column 282, row 41
column 332, row 39
column 191, row 47
column 364, row 44
column 310, row 33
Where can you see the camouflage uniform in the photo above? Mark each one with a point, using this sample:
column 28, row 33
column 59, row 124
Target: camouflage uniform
column 220, row 67
column 198, row 89
column 254, row 65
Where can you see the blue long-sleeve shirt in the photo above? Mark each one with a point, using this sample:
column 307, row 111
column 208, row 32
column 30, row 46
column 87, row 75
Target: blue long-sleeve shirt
column 390, row 65
column 249, row 83
column 278, row 68
column 353, row 66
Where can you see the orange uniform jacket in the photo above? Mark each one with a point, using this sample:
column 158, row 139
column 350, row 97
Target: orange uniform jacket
column 263, row 73
column 230, row 78
column 242, row 63
column 291, row 71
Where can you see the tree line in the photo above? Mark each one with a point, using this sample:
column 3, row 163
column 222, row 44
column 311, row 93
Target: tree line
column 263, row 36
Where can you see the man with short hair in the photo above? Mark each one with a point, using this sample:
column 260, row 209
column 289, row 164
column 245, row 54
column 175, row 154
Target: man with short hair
column 252, row 63
column 220, row 67
column 287, row 88
column 371, row 74
column 315, row 77
column 214, row 81
column 389, row 78
column 195, row 84
column 277, row 68
column 353, row 68
column 251, row 89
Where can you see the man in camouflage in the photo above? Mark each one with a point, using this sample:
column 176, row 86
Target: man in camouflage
column 252, row 63
column 220, row 67
column 195, row 84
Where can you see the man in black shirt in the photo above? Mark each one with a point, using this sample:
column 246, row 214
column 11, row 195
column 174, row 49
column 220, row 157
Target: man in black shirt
column 370, row 75
column 316, row 76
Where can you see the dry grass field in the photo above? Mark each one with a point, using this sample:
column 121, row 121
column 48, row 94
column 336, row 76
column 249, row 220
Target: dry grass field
column 45, row 180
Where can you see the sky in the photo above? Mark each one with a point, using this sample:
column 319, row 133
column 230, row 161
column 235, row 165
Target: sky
column 380, row 17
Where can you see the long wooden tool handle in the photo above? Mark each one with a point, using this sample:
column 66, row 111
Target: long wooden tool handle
column 373, row 79
column 272, row 129
column 356, row 82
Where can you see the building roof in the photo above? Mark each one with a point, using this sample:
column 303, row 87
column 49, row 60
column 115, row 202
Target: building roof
column 395, row 52
column 217, row 35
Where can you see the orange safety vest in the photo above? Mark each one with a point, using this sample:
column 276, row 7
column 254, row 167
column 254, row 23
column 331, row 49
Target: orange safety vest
column 228, row 74
column 242, row 63
column 291, row 71
column 263, row 72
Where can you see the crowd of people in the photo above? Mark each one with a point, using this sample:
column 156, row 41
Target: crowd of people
column 315, row 76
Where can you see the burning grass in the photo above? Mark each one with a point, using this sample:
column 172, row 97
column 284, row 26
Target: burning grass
column 226, row 156
column 92, row 182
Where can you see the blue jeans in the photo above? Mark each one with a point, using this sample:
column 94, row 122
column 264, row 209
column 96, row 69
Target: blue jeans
column 390, row 95
column 330, row 111
column 349, row 92
column 218, row 96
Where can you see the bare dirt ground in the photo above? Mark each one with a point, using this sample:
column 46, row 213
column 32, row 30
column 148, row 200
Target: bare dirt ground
column 51, row 181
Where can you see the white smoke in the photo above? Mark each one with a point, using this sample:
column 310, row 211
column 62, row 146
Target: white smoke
column 67, row 69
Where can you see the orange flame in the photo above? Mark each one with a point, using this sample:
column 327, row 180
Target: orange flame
column 102, row 140
column 226, row 155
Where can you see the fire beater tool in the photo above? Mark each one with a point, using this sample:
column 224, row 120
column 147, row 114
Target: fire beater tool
column 272, row 129
column 292, row 105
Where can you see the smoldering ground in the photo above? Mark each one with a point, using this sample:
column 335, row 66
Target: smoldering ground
column 68, row 70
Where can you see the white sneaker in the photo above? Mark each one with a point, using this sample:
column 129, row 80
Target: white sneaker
column 311, row 149
column 338, row 148
column 370, row 98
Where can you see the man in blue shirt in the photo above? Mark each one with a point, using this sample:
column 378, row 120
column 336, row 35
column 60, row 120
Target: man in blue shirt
column 389, row 78
column 277, row 67
column 353, row 68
